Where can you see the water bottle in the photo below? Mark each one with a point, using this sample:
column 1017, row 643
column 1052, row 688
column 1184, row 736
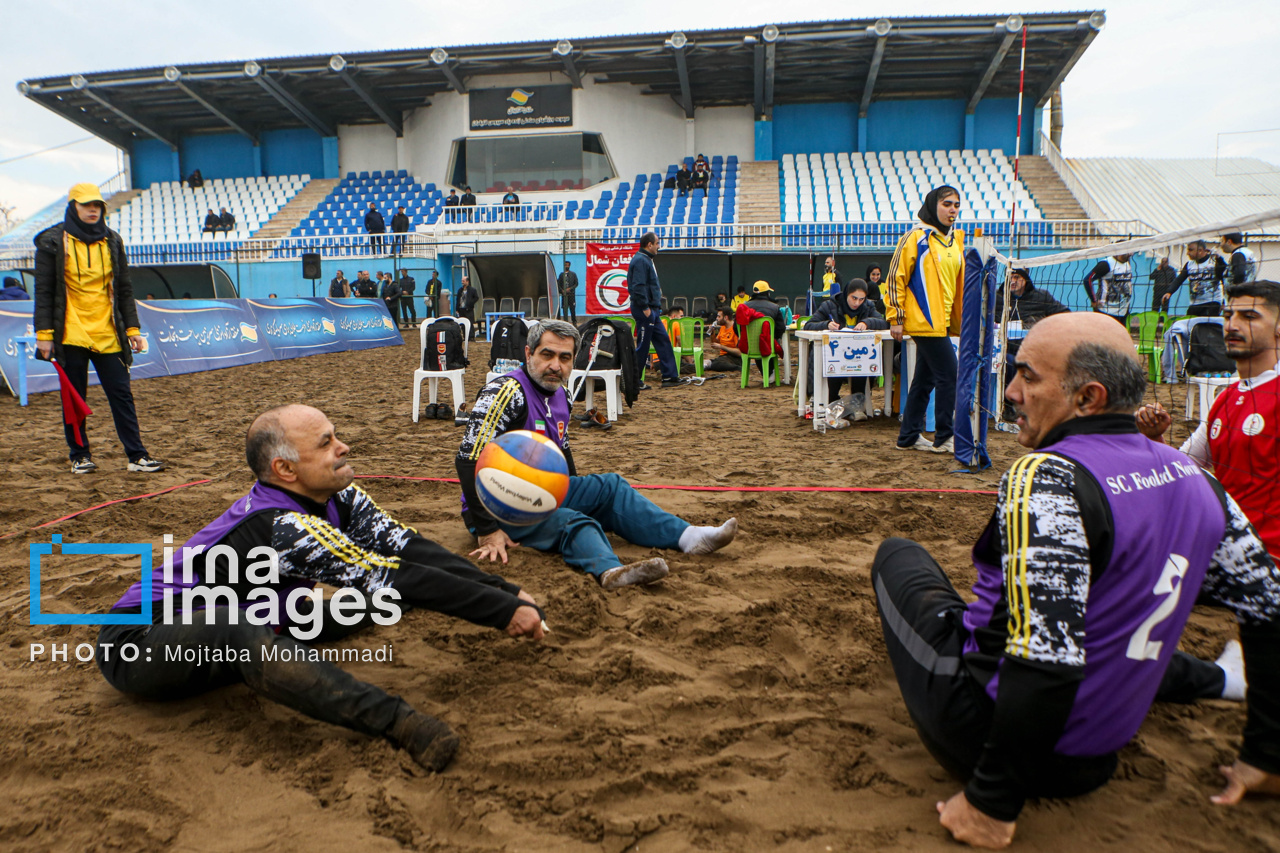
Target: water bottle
column 820, row 418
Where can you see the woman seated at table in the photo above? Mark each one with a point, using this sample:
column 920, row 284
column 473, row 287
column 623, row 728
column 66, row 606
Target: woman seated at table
column 849, row 310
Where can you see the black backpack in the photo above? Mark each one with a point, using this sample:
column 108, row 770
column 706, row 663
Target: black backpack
column 444, row 346
column 600, row 342
column 509, row 337
column 1207, row 352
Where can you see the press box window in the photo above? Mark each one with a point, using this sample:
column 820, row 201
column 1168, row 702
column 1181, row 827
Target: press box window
column 534, row 163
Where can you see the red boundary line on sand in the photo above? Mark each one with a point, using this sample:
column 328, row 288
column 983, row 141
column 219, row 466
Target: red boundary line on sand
column 107, row 504
column 649, row 486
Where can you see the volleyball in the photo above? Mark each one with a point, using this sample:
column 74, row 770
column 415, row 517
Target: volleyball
column 521, row 477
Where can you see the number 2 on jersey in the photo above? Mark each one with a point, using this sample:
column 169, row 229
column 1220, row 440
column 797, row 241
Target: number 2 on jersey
column 1141, row 647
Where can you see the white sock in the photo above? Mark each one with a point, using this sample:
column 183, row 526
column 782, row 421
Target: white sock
column 1232, row 663
column 704, row 540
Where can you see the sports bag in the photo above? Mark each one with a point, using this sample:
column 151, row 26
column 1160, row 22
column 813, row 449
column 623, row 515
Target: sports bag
column 444, row 346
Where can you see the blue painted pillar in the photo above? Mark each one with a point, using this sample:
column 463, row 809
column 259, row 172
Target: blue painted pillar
column 329, row 147
column 1037, row 122
column 764, row 140
column 257, row 160
column 862, row 134
column 968, row 131
column 175, row 173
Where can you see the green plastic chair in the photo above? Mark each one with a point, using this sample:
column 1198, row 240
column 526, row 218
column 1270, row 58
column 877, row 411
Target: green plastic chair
column 693, row 333
column 1150, row 324
column 755, row 329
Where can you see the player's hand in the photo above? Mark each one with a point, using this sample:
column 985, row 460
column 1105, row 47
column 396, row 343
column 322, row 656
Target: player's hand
column 136, row 343
column 1153, row 421
column 524, row 596
column 646, row 313
column 833, row 326
column 494, row 545
column 970, row 826
column 1097, row 304
column 1245, row 779
column 45, row 349
column 896, row 331
column 1164, row 300
column 526, row 622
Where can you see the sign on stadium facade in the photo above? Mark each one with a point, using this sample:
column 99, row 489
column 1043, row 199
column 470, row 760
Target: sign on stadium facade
column 535, row 106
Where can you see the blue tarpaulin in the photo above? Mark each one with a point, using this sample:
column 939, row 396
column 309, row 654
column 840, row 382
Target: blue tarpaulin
column 974, row 377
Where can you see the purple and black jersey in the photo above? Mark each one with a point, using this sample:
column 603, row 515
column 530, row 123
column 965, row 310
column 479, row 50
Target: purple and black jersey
column 1100, row 545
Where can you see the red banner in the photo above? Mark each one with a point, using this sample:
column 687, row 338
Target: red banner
column 607, row 277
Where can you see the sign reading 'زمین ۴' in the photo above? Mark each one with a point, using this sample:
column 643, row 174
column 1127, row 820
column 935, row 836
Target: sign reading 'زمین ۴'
column 521, row 107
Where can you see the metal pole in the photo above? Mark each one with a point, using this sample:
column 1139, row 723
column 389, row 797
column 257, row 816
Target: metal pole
column 1015, row 244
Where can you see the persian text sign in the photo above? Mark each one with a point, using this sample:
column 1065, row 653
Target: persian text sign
column 607, row 277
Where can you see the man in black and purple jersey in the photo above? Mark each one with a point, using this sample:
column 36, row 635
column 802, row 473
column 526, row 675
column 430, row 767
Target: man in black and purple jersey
column 1099, row 546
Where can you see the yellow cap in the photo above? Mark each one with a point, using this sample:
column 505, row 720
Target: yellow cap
column 86, row 193
column 762, row 287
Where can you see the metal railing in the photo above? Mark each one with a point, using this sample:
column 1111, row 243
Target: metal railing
column 1073, row 183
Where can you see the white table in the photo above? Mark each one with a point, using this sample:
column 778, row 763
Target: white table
column 785, row 341
column 807, row 340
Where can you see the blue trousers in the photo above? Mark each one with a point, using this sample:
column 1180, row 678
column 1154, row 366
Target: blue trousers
column 597, row 504
column 649, row 330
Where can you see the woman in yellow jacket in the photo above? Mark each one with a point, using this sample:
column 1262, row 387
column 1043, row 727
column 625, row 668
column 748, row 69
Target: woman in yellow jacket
column 923, row 297
column 85, row 313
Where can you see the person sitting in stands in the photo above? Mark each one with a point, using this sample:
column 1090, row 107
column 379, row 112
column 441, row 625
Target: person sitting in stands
column 721, row 348
column 511, row 197
column 684, row 179
column 212, row 222
column 701, row 175
column 850, row 310
column 195, row 180
column 227, row 221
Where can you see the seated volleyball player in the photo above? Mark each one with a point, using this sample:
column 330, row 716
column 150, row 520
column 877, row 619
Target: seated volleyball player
column 1100, row 544
column 324, row 530
column 533, row 397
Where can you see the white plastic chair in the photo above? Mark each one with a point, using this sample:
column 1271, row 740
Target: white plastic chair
column 612, row 380
column 434, row 376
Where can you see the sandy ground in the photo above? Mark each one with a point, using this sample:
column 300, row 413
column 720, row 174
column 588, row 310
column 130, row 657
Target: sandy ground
column 744, row 704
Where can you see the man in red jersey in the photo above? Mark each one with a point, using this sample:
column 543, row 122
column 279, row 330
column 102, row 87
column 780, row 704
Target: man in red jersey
column 1240, row 440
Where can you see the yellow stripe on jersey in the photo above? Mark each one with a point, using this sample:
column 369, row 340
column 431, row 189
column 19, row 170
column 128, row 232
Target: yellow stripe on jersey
column 374, row 503
column 336, row 543
column 1017, row 517
column 491, row 417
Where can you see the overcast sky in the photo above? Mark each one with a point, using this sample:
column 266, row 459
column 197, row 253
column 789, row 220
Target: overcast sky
column 1162, row 80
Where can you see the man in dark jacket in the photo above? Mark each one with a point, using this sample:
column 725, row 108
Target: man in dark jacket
column 227, row 221
column 212, row 222
column 195, row 180
column 407, row 288
column 13, row 289
column 646, row 306
column 390, row 293
column 432, row 308
column 1030, row 305
column 376, row 226
column 684, row 179
column 364, row 286
column 81, row 264
column 852, row 311
column 468, row 200
column 339, row 288
column 465, row 304
column 399, row 227
column 451, row 200
column 568, row 285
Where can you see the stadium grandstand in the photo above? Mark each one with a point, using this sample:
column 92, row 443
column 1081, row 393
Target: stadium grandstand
column 816, row 137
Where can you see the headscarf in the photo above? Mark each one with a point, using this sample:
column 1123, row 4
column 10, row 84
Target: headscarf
column 83, row 232
column 871, row 267
column 929, row 210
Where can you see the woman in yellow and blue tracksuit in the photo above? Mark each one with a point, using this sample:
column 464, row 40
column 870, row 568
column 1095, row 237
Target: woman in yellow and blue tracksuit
column 923, row 297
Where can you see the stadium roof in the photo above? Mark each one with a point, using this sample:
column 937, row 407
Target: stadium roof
column 1170, row 195
column 862, row 60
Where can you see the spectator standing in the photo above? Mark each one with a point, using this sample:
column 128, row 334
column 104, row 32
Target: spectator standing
column 468, row 201
column 1203, row 273
column 432, row 308
column 1162, row 278
column 399, row 227
column 227, row 221
column 567, row 283
column 407, row 288
column 339, row 288
column 1242, row 263
column 646, row 306
column 375, row 226
column 85, row 313
column 832, row 281
column 465, row 304
column 364, row 286
column 13, row 290
column 923, row 300
column 451, row 200
column 195, row 180
column 212, row 222
column 390, row 293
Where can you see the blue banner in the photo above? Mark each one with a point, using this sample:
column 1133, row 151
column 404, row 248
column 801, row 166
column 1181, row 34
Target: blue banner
column 974, row 377
column 190, row 335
